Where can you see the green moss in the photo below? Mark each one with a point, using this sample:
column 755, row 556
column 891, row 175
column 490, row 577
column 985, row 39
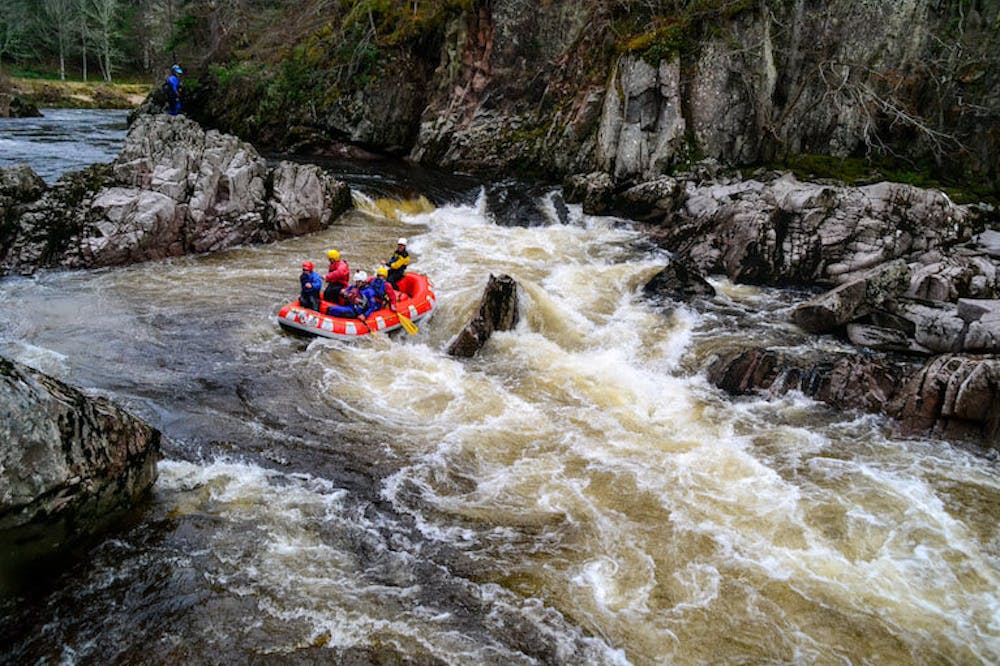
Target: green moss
column 856, row 171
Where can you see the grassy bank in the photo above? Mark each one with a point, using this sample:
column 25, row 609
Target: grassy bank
column 53, row 93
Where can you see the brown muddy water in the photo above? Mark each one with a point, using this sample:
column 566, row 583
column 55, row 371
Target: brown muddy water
column 576, row 494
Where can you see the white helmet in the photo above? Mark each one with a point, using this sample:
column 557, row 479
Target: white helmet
column 361, row 276
column 401, row 241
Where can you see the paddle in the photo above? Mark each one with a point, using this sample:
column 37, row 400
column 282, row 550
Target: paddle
column 408, row 325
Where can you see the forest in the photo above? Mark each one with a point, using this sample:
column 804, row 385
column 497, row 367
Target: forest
column 87, row 39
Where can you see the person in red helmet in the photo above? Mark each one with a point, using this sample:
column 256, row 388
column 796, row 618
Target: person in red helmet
column 311, row 284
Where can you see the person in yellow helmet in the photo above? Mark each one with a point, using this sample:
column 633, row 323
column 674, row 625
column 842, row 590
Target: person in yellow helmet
column 384, row 292
column 338, row 278
column 398, row 262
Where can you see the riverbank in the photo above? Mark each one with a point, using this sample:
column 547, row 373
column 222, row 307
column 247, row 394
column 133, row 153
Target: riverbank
column 53, row 93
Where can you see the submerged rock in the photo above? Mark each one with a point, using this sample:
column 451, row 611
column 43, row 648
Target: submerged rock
column 497, row 312
column 67, row 461
column 174, row 189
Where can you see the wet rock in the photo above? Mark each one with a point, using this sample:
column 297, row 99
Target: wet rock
column 497, row 312
column 937, row 326
column 12, row 106
column 983, row 319
column 594, row 190
column 174, row 189
column 678, row 281
column 948, row 396
column 67, row 461
column 19, row 185
column 871, row 291
column 845, row 381
column 952, row 396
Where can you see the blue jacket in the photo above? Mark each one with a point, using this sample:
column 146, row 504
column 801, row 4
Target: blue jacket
column 363, row 301
column 174, row 85
column 311, row 282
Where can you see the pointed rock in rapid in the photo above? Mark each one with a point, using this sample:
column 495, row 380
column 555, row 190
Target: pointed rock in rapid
column 497, row 312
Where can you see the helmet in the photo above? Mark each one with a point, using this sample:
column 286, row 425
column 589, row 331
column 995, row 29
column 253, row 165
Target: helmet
column 361, row 276
column 382, row 271
column 307, row 265
column 333, row 255
column 176, row 69
column 401, row 241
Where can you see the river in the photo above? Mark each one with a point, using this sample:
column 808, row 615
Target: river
column 576, row 494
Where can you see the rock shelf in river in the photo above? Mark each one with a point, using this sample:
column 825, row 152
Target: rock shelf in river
column 174, row 189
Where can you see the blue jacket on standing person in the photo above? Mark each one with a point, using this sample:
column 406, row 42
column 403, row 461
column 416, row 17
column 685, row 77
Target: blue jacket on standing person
column 311, row 282
column 173, row 88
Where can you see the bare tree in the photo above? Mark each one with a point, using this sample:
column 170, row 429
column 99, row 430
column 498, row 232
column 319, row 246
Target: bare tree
column 104, row 17
column 59, row 16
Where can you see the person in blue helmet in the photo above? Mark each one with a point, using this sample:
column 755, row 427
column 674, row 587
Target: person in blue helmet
column 311, row 284
column 173, row 89
column 360, row 298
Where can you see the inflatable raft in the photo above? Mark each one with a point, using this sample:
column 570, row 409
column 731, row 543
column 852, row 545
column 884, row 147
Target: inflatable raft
column 416, row 302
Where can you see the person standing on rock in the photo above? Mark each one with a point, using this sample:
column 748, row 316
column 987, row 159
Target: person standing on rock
column 398, row 262
column 338, row 278
column 173, row 89
column 311, row 284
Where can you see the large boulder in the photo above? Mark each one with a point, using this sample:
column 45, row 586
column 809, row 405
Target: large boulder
column 174, row 189
column 497, row 312
column 67, row 461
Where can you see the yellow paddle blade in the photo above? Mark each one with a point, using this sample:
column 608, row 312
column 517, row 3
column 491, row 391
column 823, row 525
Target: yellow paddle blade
column 408, row 325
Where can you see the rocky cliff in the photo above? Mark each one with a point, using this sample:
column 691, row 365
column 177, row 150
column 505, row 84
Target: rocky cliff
column 630, row 88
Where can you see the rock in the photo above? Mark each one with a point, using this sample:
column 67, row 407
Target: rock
column 948, row 396
column 12, row 106
column 937, row 326
column 19, row 185
column 593, row 190
column 678, row 281
column 989, row 242
column 642, row 130
column 883, row 339
column 788, row 232
column 952, row 396
column 650, row 200
column 497, row 312
column 847, row 381
column 173, row 189
column 854, row 299
column 68, row 462
column 304, row 198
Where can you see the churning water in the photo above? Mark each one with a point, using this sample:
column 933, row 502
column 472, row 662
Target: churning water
column 576, row 494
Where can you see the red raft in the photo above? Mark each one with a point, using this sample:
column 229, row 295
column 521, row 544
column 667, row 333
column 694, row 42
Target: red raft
column 416, row 302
